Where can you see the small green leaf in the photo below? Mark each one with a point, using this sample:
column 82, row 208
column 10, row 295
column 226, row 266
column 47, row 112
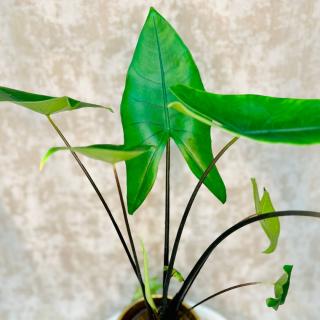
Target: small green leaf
column 147, row 279
column 262, row 118
column 155, row 286
column 175, row 274
column 281, row 288
column 270, row 226
column 104, row 152
column 46, row 105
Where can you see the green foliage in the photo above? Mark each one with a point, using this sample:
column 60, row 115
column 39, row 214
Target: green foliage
column 155, row 286
column 162, row 60
column 281, row 288
column 147, row 282
column 270, row 226
column 175, row 274
column 45, row 105
column 263, row 118
column 104, row 152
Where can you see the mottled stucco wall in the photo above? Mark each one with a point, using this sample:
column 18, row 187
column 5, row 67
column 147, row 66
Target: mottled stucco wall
column 59, row 258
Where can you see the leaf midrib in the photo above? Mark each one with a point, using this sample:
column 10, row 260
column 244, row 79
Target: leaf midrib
column 163, row 80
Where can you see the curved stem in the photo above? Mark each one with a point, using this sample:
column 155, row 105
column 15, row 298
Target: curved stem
column 85, row 171
column 179, row 297
column 187, row 211
column 224, row 291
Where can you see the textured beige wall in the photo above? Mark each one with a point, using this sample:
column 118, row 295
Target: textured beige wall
column 59, row 258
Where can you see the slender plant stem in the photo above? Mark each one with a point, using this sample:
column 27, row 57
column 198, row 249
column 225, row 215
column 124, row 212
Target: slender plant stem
column 126, row 220
column 133, row 248
column 224, row 291
column 187, row 211
column 179, row 297
column 167, row 212
column 85, row 171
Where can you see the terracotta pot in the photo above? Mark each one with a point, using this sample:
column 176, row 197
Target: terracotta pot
column 137, row 311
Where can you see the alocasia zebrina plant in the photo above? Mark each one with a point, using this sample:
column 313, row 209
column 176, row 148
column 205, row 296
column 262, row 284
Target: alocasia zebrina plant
column 164, row 99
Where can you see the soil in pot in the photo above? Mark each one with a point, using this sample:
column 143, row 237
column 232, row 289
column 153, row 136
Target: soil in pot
column 138, row 312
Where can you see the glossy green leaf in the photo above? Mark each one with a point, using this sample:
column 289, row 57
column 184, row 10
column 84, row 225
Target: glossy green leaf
column 155, row 287
column 263, row 118
column 281, row 288
column 175, row 274
column 147, row 283
column 43, row 104
column 161, row 60
column 270, row 226
column 104, row 152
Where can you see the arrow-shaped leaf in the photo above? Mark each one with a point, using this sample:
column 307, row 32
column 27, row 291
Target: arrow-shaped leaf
column 162, row 60
column 104, row 152
column 270, row 226
column 43, row 104
column 281, row 288
column 263, row 118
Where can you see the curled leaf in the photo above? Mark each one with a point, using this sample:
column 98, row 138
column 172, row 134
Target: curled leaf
column 175, row 274
column 281, row 288
column 103, row 152
column 43, row 104
column 270, row 226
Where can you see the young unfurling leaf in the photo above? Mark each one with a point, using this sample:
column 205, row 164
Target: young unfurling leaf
column 281, row 288
column 270, row 226
column 175, row 274
column 155, row 286
column 147, row 279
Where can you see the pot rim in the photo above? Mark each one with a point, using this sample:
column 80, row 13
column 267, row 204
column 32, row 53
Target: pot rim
column 123, row 313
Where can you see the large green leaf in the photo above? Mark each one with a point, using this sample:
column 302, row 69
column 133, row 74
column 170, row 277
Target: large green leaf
column 281, row 288
column 160, row 61
column 104, row 152
column 263, row 118
column 270, row 226
column 43, row 104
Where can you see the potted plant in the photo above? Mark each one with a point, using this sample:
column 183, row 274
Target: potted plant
column 164, row 101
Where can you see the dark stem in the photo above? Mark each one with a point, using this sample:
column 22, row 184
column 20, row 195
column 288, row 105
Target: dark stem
column 224, row 291
column 179, row 297
column 167, row 212
column 85, row 171
column 187, row 211
column 126, row 220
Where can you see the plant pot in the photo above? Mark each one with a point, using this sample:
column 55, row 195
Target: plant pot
column 133, row 312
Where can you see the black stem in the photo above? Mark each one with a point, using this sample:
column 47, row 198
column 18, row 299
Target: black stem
column 167, row 212
column 126, row 220
column 224, row 291
column 179, row 297
column 187, row 211
column 133, row 248
column 85, row 171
